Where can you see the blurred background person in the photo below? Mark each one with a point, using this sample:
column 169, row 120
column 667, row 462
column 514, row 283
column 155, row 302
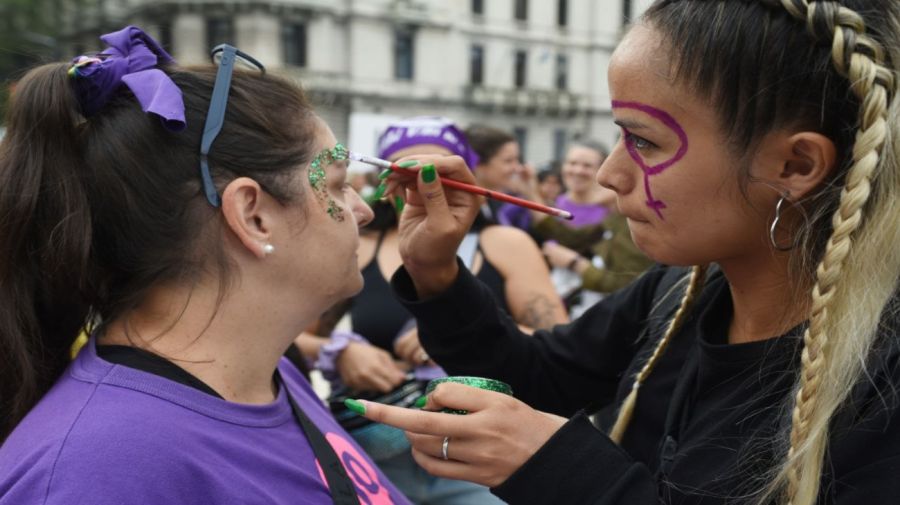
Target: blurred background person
column 550, row 184
column 499, row 165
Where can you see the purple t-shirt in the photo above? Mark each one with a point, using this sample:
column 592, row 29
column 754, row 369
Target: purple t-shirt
column 583, row 214
column 110, row 434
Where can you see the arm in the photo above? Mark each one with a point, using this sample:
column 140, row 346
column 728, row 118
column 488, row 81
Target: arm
column 557, row 371
column 530, row 295
column 359, row 365
column 526, row 456
column 585, row 466
column 309, row 345
column 579, row 239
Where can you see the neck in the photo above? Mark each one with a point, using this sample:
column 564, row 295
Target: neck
column 225, row 344
column 766, row 303
column 587, row 196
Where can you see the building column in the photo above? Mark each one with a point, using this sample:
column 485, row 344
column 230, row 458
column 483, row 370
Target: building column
column 259, row 35
column 189, row 39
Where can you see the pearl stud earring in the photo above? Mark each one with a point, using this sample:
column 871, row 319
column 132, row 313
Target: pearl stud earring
column 268, row 249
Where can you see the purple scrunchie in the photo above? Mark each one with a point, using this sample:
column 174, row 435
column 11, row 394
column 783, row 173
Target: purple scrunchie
column 426, row 130
column 131, row 58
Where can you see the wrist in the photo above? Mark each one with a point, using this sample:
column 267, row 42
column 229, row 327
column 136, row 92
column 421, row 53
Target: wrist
column 573, row 264
column 331, row 350
column 430, row 282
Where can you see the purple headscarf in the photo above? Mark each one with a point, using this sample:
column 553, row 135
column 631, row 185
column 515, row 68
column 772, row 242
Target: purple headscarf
column 130, row 59
column 426, row 130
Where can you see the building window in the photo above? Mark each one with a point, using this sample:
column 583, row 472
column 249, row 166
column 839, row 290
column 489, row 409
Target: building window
column 626, row 12
column 165, row 36
column 521, row 10
column 521, row 135
column 562, row 13
column 293, row 43
column 521, row 69
column 219, row 31
column 476, row 65
column 559, row 144
column 477, row 6
column 404, row 53
column 562, row 72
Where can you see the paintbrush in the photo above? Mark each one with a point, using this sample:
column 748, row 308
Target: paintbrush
column 469, row 188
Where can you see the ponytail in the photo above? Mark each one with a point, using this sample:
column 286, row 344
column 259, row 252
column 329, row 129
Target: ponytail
column 45, row 236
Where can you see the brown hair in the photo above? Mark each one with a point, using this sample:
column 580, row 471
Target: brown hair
column 95, row 211
column 487, row 140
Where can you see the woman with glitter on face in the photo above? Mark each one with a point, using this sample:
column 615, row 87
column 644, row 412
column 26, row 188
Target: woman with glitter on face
column 761, row 153
column 198, row 231
column 384, row 344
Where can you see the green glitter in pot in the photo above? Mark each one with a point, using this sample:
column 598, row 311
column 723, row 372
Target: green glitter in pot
column 478, row 382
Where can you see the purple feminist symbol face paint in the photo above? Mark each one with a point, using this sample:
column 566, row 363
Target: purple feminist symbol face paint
column 669, row 121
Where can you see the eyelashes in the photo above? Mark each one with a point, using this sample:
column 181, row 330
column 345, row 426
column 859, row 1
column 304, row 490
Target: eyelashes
column 639, row 143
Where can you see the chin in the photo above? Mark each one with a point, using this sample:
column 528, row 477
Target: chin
column 355, row 284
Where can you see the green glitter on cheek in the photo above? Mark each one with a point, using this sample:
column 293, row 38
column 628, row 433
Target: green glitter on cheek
column 317, row 179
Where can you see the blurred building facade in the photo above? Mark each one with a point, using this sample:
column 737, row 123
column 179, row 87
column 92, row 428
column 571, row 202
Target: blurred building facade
column 534, row 67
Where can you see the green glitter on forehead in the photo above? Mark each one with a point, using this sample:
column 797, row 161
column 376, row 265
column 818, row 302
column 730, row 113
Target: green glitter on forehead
column 317, row 178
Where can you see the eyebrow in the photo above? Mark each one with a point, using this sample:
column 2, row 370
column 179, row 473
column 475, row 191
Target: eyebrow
column 629, row 124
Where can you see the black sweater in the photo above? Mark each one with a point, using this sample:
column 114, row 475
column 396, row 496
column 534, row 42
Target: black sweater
column 705, row 424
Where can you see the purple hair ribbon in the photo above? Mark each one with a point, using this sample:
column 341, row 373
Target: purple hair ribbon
column 132, row 59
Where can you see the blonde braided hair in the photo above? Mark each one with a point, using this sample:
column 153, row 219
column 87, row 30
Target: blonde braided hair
column 698, row 274
column 862, row 62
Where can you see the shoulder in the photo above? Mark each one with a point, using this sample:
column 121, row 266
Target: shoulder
column 505, row 239
column 95, row 452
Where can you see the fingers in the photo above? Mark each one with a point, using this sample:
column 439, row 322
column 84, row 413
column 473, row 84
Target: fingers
column 461, row 397
column 448, row 469
column 368, row 368
column 461, row 462
column 379, row 379
column 409, row 349
column 416, row 421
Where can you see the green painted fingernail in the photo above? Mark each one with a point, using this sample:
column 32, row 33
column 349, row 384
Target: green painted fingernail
column 429, row 174
column 379, row 191
column 420, row 402
column 408, row 164
column 385, row 173
column 398, row 202
column 355, row 405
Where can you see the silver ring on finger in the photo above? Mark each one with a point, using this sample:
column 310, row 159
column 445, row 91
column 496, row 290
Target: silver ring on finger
column 444, row 448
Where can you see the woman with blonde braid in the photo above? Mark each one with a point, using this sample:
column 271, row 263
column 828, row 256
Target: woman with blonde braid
column 760, row 148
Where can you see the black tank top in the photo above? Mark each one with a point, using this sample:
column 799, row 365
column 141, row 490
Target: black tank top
column 378, row 316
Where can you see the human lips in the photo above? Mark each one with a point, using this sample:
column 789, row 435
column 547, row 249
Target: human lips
column 633, row 216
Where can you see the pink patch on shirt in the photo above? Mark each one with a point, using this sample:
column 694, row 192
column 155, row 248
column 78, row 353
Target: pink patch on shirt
column 365, row 478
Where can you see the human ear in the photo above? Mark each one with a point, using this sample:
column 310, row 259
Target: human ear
column 249, row 214
column 808, row 159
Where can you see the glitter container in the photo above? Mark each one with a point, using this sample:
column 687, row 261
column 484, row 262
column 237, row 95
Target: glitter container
column 477, row 382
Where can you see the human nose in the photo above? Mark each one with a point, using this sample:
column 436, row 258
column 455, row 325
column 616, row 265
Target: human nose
column 361, row 211
column 617, row 171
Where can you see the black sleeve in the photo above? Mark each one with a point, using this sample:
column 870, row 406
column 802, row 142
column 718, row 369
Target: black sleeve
column 580, row 465
column 558, row 371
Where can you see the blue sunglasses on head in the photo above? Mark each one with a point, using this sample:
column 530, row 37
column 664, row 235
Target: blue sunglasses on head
column 225, row 56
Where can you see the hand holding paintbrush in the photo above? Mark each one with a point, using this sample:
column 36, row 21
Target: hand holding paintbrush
column 434, row 221
column 470, row 188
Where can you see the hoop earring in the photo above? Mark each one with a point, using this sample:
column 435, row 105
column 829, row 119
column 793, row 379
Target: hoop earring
column 775, row 225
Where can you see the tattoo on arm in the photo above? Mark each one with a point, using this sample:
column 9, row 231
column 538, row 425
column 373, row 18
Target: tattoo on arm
column 538, row 313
